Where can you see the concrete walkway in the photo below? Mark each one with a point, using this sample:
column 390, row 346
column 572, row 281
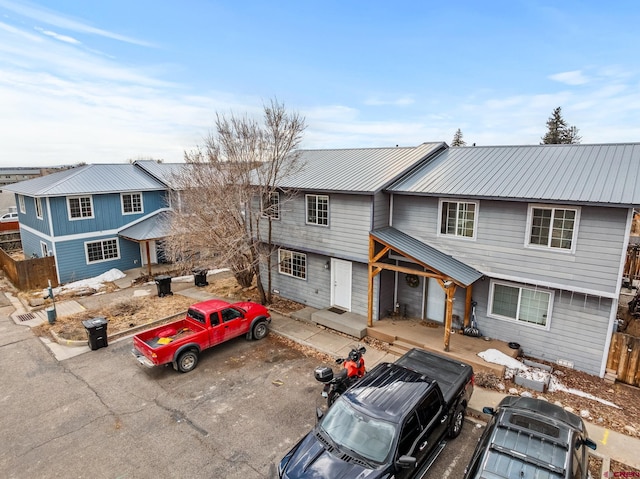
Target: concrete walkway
column 611, row 444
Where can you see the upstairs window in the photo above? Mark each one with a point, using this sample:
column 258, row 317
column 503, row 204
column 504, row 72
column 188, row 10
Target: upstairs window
column 317, row 209
column 38, row 207
column 271, row 206
column 80, row 207
column 131, row 203
column 291, row 263
column 518, row 303
column 553, row 227
column 98, row 251
column 458, row 218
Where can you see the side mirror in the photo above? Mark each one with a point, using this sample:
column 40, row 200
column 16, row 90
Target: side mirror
column 339, row 361
column 319, row 414
column 406, row 462
column 590, row 443
column 362, row 350
column 488, row 410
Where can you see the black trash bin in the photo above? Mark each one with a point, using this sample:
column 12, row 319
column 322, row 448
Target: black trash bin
column 97, row 332
column 200, row 277
column 163, row 283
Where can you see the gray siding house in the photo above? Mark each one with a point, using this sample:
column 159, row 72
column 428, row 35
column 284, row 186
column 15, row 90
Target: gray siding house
column 322, row 233
column 548, row 228
column 534, row 236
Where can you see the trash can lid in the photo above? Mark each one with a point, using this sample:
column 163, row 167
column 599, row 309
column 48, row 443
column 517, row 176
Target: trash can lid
column 162, row 276
column 94, row 322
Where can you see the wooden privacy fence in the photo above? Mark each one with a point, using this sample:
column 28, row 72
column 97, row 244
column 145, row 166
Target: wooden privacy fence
column 624, row 358
column 29, row 273
column 632, row 263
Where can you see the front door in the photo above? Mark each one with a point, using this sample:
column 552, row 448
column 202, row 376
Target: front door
column 436, row 301
column 341, row 283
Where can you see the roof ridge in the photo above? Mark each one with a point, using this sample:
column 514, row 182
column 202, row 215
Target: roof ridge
column 64, row 178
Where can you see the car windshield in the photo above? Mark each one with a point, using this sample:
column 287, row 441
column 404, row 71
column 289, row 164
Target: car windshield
column 368, row 437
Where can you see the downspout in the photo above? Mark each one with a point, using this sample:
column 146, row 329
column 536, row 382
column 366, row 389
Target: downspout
column 53, row 243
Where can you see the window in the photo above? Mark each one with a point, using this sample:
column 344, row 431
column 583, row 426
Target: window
column 230, row 314
column 44, row 249
column 38, row 207
column 131, row 203
column 104, row 250
column 292, row 263
column 553, row 227
column 458, row 218
column 527, row 305
column 80, row 207
column 317, row 209
column 23, row 209
column 271, row 206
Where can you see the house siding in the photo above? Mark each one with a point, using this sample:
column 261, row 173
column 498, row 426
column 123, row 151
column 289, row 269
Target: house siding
column 107, row 210
column 380, row 210
column 347, row 235
column 30, row 219
column 315, row 290
column 72, row 262
column 499, row 247
column 577, row 330
column 31, row 243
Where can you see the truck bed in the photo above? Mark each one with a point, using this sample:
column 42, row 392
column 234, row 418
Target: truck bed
column 450, row 374
column 162, row 335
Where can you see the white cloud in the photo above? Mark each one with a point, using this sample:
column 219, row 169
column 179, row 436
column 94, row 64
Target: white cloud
column 57, row 36
column 570, row 78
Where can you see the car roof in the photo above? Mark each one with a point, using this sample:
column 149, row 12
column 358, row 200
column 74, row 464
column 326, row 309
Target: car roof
column 530, row 438
column 389, row 391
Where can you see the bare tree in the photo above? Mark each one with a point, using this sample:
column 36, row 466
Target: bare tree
column 229, row 188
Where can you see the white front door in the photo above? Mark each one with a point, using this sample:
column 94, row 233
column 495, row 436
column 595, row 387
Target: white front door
column 341, row 283
column 152, row 251
column 436, row 299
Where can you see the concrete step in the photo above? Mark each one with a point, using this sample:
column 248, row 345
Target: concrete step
column 346, row 323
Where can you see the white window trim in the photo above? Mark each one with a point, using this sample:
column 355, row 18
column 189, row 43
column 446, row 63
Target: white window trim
column 277, row 215
column 306, row 266
column 69, row 198
column 86, row 250
column 457, row 236
column 23, row 208
column 44, row 249
column 37, row 201
column 306, row 210
column 122, row 195
column 574, row 237
column 490, row 313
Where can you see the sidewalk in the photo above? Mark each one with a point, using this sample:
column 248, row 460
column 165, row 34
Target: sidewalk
column 614, row 445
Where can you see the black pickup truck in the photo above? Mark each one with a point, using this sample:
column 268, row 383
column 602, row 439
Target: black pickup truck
column 392, row 423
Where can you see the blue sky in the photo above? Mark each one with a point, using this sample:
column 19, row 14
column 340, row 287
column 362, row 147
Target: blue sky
column 105, row 82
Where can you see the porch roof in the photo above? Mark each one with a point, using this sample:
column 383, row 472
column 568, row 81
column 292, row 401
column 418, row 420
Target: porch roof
column 429, row 256
column 151, row 228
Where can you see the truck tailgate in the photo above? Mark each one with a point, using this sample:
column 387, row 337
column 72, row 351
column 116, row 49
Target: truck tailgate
column 450, row 374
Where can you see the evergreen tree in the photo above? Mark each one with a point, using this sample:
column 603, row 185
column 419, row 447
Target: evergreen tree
column 457, row 139
column 558, row 132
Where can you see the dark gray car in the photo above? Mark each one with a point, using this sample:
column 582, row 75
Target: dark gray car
column 531, row 438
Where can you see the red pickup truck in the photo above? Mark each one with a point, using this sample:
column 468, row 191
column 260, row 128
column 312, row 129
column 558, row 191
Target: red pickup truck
column 206, row 324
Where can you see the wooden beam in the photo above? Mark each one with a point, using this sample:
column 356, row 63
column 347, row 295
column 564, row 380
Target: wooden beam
column 148, row 258
column 403, row 269
column 467, row 306
column 447, row 317
column 372, row 249
column 377, row 257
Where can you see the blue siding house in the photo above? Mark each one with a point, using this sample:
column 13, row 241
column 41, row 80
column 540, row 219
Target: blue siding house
column 93, row 218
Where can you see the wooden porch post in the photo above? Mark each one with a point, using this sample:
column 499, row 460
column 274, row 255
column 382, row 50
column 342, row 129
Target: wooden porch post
column 450, row 291
column 467, row 306
column 146, row 243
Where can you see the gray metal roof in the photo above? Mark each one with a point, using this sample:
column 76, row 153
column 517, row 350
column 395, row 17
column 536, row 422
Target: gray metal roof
column 428, row 255
column 95, row 179
column 598, row 174
column 164, row 172
column 359, row 170
column 154, row 227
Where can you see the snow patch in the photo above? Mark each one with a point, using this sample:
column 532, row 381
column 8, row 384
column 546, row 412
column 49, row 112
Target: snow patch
column 93, row 283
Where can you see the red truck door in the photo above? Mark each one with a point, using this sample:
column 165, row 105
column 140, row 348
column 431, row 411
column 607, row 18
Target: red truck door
column 233, row 323
column 216, row 333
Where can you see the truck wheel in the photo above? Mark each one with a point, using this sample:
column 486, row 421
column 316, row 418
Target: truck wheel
column 187, row 361
column 456, row 422
column 260, row 330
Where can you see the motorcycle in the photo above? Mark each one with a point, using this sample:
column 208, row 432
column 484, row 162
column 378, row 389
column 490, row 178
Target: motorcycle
column 352, row 370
